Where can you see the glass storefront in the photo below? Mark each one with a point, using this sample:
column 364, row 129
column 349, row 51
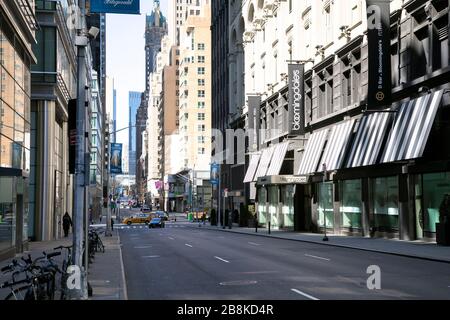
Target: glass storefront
column 273, row 206
column 262, row 206
column 7, row 216
column 325, row 193
column 286, row 218
column 435, row 187
column 351, row 204
column 385, row 203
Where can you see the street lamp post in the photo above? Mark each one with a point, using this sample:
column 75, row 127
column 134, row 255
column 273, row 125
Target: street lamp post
column 79, row 194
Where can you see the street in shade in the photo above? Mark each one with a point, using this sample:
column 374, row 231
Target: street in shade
column 188, row 261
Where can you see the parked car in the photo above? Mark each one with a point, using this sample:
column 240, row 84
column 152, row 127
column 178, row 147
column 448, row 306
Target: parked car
column 157, row 223
column 139, row 218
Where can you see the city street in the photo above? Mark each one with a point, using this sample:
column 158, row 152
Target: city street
column 183, row 261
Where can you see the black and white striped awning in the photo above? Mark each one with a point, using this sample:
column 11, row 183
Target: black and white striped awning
column 412, row 128
column 277, row 159
column 313, row 151
column 369, row 139
column 264, row 163
column 337, row 144
column 254, row 160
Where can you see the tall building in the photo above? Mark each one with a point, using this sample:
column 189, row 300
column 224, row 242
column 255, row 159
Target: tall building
column 155, row 30
column 179, row 10
column 114, row 135
column 134, row 101
column 17, row 34
column 366, row 164
column 141, row 155
column 96, row 165
column 220, row 87
column 195, row 98
column 53, row 84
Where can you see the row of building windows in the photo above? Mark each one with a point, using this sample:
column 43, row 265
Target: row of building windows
column 15, row 131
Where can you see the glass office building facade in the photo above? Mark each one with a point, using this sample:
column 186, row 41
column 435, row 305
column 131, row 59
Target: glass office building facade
column 15, row 61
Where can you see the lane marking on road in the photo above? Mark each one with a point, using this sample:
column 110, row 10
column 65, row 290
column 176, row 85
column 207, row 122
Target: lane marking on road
column 188, row 245
column 316, row 257
column 219, row 258
column 142, row 247
column 171, row 238
column 305, row 294
column 254, row 244
column 150, row 257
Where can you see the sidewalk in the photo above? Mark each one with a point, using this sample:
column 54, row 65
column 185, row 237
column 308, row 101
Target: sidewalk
column 105, row 273
column 413, row 249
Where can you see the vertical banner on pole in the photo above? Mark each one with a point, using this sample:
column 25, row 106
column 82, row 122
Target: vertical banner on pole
column 214, row 174
column 72, row 134
column 254, row 104
column 296, row 104
column 116, row 158
column 379, row 47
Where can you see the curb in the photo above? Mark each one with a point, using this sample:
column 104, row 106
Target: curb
column 124, row 282
column 329, row 244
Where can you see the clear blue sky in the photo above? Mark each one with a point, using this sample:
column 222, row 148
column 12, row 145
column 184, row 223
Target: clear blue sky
column 125, row 57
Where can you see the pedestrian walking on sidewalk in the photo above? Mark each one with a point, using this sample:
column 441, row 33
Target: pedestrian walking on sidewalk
column 67, row 223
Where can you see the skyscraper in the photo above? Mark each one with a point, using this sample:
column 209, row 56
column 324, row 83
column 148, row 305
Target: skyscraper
column 155, row 30
column 114, row 137
column 134, row 101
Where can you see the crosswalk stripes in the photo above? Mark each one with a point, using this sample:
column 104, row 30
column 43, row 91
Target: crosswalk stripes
column 126, row 227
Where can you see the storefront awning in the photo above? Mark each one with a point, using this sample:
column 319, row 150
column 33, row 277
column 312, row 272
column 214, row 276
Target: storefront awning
column 254, row 160
column 313, row 151
column 412, row 128
column 264, row 163
column 369, row 139
column 337, row 144
column 277, row 159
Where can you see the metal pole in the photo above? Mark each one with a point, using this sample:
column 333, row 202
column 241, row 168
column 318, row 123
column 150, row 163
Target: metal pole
column 108, row 232
column 218, row 198
column 325, row 238
column 80, row 292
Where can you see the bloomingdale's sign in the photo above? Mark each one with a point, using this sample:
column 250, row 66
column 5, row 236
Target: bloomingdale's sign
column 296, row 99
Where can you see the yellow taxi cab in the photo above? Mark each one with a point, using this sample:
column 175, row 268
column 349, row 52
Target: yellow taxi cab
column 138, row 218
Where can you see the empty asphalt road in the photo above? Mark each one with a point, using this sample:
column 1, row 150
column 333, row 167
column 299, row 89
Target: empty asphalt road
column 185, row 262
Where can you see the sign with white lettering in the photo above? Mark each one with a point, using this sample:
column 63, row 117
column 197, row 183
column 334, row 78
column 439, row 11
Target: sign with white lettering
column 115, row 6
column 296, row 99
column 379, row 47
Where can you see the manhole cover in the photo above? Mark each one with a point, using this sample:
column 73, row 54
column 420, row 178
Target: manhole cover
column 238, row 283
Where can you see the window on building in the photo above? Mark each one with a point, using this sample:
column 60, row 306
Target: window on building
column 351, row 204
column 201, row 93
column 201, row 46
column 201, row 59
column 201, row 116
column 385, row 203
column 201, row 104
column 201, row 128
column 201, row 139
column 201, row 70
column 201, row 150
column 201, row 82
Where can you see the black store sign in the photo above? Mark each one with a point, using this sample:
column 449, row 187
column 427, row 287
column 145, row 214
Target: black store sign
column 296, row 99
column 378, row 37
